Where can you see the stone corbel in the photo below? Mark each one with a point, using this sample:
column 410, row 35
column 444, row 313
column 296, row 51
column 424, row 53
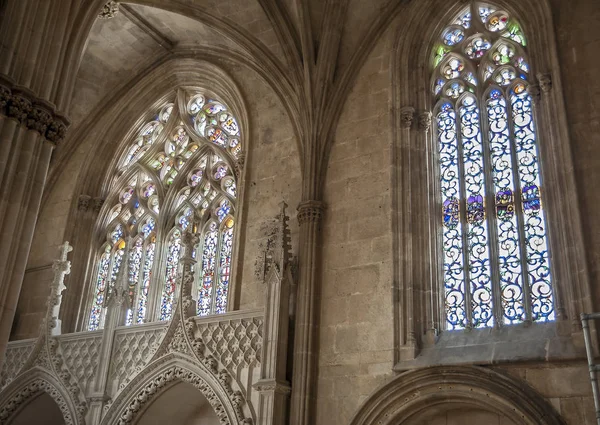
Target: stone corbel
column 407, row 116
column 310, row 212
column 545, row 81
column 84, row 202
column 97, row 204
column 424, row 121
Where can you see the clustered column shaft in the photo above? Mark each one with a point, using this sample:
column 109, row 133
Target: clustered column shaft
column 304, row 378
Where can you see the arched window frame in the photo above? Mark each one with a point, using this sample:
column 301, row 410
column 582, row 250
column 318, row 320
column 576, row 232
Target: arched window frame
column 235, row 169
column 418, row 304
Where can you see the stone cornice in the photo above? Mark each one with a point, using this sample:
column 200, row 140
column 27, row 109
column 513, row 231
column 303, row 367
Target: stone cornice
column 39, row 115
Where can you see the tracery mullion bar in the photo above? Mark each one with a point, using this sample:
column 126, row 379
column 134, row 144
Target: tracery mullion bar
column 519, row 209
column 463, row 219
column 490, row 209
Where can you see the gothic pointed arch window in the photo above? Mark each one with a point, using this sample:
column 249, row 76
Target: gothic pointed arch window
column 496, row 263
column 176, row 175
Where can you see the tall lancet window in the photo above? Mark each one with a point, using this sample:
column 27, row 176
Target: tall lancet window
column 495, row 251
column 177, row 174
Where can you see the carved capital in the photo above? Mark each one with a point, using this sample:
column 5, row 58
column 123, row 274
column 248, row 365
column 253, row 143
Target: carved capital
column 56, row 131
column 4, row 97
column 424, row 121
column 38, row 119
column 535, row 92
column 97, row 204
column 310, row 211
column 545, row 80
column 18, row 107
column 109, row 10
column 84, row 202
column 407, row 115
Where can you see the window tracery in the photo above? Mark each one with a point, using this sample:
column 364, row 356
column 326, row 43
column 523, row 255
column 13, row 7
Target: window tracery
column 495, row 249
column 176, row 175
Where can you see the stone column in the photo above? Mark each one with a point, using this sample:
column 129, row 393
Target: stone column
column 35, row 39
column 307, row 312
column 29, row 130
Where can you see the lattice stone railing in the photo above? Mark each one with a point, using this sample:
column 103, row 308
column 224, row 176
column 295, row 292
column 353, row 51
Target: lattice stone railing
column 17, row 353
column 234, row 339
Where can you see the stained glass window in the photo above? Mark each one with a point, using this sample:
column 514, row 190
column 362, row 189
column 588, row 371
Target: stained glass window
column 496, row 264
column 177, row 174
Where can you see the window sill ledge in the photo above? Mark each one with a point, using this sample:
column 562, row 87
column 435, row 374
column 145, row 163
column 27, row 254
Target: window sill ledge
column 518, row 343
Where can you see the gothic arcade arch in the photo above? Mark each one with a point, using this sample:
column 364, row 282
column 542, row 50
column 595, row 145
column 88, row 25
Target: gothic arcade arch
column 157, row 377
column 29, row 385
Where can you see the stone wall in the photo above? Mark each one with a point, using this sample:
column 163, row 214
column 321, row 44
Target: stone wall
column 356, row 337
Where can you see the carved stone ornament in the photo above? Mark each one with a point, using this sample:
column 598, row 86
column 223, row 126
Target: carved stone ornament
column 424, row 121
column 98, row 202
column 155, row 385
column 84, row 202
column 18, row 107
column 109, row 10
column 39, row 119
column 31, row 111
column 310, row 211
column 407, row 115
column 239, row 165
column 27, row 393
column 4, row 97
column 545, row 81
column 535, row 92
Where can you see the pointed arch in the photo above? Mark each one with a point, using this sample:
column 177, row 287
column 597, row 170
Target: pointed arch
column 29, row 385
column 147, row 385
column 417, row 391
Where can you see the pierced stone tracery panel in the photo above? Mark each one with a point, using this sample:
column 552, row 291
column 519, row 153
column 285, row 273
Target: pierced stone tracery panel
column 131, row 352
column 235, row 342
column 81, row 357
column 15, row 358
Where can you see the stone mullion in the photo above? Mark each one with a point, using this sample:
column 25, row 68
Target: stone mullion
column 544, row 102
column 306, row 326
column 426, row 311
column 77, row 294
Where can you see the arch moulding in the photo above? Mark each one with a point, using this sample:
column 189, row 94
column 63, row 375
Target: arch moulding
column 415, row 392
column 31, row 384
column 158, row 377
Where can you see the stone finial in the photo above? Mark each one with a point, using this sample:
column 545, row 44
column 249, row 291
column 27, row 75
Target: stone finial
column 84, row 202
column 407, row 115
column 109, row 10
column 310, row 211
column 424, row 121
column 61, row 268
column 545, row 80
